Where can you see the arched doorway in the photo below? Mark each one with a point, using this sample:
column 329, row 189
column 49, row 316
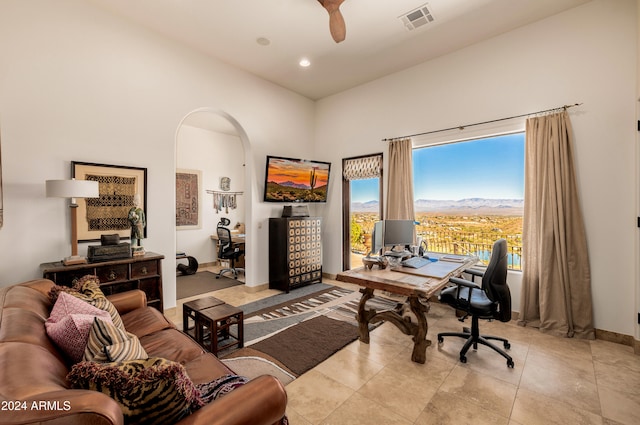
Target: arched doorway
column 212, row 144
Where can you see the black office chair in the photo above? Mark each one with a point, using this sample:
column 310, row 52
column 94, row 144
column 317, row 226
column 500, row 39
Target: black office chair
column 491, row 301
column 227, row 250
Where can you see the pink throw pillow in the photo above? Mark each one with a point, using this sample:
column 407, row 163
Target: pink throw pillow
column 70, row 322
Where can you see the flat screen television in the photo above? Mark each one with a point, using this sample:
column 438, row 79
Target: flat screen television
column 296, row 180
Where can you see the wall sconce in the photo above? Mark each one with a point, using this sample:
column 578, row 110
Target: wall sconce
column 73, row 189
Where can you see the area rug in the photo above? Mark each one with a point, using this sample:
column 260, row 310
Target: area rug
column 274, row 314
column 296, row 333
column 251, row 309
column 253, row 366
column 200, row 283
column 301, row 304
column 305, row 345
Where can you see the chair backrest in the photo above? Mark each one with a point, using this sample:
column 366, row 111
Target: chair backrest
column 494, row 281
column 224, row 237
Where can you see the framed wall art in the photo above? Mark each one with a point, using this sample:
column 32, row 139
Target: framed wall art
column 108, row 214
column 188, row 205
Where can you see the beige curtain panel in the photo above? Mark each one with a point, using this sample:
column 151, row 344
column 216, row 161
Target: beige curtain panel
column 400, row 187
column 556, row 281
column 367, row 167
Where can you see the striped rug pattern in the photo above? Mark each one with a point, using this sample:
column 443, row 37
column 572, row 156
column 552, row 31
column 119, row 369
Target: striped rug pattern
column 304, row 305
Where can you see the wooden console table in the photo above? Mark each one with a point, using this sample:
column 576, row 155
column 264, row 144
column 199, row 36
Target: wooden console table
column 418, row 285
column 143, row 272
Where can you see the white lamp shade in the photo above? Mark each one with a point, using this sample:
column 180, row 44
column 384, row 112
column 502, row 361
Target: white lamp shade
column 72, row 189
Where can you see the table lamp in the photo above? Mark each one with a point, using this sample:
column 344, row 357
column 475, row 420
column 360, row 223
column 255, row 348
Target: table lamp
column 73, row 189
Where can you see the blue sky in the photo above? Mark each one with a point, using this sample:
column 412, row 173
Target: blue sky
column 488, row 168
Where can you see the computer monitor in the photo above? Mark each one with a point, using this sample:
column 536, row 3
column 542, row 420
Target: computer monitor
column 377, row 239
column 399, row 233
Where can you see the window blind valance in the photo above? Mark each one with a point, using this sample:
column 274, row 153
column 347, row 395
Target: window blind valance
column 366, row 167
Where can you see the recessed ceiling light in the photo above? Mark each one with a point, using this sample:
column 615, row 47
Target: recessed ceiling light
column 263, row 41
column 304, row 62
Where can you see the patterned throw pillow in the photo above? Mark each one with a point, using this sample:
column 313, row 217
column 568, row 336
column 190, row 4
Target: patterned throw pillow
column 108, row 343
column 90, row 286
column 87, row 288
column 152, row 391
column 106, row 305
column 69, row 324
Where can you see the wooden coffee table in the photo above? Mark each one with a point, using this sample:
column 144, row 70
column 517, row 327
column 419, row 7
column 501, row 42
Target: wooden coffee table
column 417, row 285
column 191, row 308
column 214, row 324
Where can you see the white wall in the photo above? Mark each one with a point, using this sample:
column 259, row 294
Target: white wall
column 215, row 155
column 585, row 55
column 77, row 83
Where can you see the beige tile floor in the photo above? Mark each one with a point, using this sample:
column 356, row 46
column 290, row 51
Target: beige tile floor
column 555, row 381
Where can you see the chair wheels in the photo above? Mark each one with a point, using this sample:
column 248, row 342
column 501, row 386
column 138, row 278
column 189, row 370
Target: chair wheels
column 463, row 358
column 440, row 339
column 507, row 345
column 510, row 364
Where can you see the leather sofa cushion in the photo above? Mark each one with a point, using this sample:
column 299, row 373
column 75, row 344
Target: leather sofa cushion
column 28, row 370
column 19, row 325
column 171, row 344
column 145, row 321
column 203, row 368
column 26, row 298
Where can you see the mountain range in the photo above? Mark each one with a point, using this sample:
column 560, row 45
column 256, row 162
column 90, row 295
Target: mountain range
column 468, row 206
column 289, row 183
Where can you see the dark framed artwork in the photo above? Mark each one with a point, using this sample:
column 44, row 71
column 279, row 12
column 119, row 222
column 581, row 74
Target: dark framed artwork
column 108, row 214
column 188, row 203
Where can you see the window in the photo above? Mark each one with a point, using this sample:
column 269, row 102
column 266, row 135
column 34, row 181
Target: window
column 361, row 205
column 469, row 194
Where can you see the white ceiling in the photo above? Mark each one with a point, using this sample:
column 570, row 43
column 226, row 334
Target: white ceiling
column 377, row 42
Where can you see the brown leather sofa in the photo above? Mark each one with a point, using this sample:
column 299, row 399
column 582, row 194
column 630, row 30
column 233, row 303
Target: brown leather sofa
column 33, row 370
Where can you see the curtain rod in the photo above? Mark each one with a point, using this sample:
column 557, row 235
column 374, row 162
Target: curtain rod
column 462, row 127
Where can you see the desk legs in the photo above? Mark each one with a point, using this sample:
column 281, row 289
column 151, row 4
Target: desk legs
column 364, row 316
column 420, row 341
column 417, row 330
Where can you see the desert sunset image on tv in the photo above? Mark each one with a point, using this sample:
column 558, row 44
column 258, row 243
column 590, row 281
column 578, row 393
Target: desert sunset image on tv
column 296, row 180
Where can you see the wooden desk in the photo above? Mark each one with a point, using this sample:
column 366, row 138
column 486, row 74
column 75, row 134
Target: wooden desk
column 416, row 284
column 238, row 239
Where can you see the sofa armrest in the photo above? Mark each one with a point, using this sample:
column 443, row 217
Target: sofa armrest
column 129, row 300
column 261, row 401
column 66, row 407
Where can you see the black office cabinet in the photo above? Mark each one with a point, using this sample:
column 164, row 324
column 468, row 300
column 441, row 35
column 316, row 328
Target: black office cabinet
column 295, row 252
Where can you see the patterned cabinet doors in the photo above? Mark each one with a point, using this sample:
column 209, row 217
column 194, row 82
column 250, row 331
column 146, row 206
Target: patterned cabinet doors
column 295, row 252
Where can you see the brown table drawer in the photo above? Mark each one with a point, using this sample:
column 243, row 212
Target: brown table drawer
column 113, row 273
column 115, row 288
column 144, row 269
column 67, row 278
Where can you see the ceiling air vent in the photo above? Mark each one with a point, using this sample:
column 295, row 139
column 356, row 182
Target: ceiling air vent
column 417, row 17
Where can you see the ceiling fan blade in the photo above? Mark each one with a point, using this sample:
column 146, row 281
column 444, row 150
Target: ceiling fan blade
column 337, row 26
